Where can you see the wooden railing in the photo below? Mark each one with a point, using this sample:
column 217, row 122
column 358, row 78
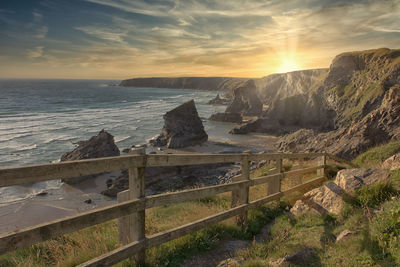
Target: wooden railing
column 132, row 203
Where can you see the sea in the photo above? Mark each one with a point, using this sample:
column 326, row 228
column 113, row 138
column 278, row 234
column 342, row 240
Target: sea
column 42, row 119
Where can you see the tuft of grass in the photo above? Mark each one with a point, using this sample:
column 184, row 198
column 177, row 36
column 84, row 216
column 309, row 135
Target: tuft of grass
column 373, row 195
column 374, row 157
column 385, row 228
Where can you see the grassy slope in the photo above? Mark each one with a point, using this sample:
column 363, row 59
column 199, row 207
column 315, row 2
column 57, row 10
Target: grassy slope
column 80, row 246
column 369, row 247
column 375, row 243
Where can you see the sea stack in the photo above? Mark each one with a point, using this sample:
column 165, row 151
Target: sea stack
column 99, row 146
column 182, row 128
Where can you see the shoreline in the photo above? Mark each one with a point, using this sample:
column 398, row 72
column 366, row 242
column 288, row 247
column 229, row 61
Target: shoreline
column 70, row 199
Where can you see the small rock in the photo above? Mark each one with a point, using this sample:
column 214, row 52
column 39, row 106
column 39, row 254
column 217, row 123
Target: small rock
column 344, row 234
column 88, row 201
column 229, row 263
column 392, row 163
column 296, row 258
column 42, row 193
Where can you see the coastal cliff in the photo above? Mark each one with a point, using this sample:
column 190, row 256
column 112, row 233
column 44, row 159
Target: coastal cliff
column 197, row 83
column 363, row 91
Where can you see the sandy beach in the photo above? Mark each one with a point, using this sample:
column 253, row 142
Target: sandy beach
column 70, row 199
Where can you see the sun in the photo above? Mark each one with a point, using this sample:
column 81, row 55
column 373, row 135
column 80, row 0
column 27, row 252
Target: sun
column 288, row 65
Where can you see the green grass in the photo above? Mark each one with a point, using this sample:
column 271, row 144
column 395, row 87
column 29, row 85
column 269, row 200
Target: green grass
column 374, row 157
column 375, row 242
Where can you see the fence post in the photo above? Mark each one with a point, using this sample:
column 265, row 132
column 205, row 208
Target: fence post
column 322, row 161
column 279, row 169
column 132, row 228
column 274, row 186
column 241, row 196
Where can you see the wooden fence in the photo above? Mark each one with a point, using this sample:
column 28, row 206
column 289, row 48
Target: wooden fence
column 132, row 203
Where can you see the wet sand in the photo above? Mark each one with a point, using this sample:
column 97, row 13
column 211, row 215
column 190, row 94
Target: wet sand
column 70, row 200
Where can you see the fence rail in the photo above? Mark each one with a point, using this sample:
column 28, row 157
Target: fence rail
column 133, row 202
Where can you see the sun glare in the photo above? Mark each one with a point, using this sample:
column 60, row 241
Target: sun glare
column 288, row 65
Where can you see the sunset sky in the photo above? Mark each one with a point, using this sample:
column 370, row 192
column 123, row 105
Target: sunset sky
column 105, row 39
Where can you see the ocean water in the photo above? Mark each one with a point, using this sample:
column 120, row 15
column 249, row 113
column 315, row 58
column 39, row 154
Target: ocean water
column 41, row 119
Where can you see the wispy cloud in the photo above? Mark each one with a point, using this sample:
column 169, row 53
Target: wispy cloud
column 35, row 52
column 123, row 38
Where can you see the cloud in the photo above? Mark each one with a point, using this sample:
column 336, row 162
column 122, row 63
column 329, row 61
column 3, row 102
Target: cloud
column 36, row 52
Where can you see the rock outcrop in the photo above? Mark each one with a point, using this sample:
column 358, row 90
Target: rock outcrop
column 99, row 146
column 329, row 198
column 218, row 101
column 182, row 128
column 245, row 100
column 392, row 163
column 363, row 91
column 226, row 117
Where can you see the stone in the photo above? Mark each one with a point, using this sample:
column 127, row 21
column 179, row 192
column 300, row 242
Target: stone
column 99, row 146
column 226, row 117
column 329, row 198
column 298, row 257
column 344, row 234
column 229, row 263
column 245, row 100
column 392, row 163
column 352, row 179
column 182, row 128
column 218, row 101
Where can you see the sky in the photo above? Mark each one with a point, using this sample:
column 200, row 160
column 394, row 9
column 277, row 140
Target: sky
column 118, row 39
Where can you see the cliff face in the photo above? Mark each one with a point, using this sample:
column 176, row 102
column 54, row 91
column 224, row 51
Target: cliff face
column 291, row 101
column 198, row 83
column 357, row 82
column 363, row 90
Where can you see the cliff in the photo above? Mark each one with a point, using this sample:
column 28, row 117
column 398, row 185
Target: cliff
column 362, row 89
column 197, row 83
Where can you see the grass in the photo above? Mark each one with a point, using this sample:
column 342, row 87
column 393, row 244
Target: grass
column 374, row 157
column 72, row 249
column 375, row 241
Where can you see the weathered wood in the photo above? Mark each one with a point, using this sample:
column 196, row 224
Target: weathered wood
column 137, row 227
column 273, row 156
column 124, row 252
column 303, row 171
column 191, row 159
column 322, row 163
column 240, row 196
column 115, row 256
column 65, row 170
column 191, row 194
column 123, row 222
column 304, row 185
column 265, row 179
column 45, row 231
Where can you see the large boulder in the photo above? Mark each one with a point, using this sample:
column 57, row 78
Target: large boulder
column 392, row 163
column 99, row 146
column 329, row 198
column 182, row 128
